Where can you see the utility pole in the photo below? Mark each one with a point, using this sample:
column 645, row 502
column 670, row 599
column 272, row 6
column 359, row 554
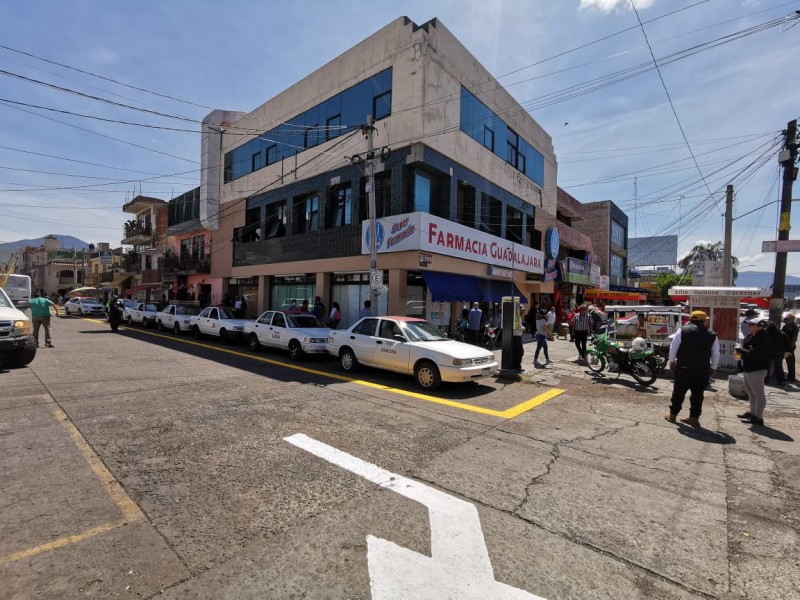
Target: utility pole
column 786, row 158
column 375, row 276
column 727, row 260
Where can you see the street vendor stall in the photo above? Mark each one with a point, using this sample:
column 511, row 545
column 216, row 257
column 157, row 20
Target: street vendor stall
column 652, row 323
column 721, row 304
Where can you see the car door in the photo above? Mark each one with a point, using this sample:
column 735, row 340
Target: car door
column 261, row 328
column 279, row 331
column 362, row 340
column 212, row 322
column 390, row 352
column 202, row 318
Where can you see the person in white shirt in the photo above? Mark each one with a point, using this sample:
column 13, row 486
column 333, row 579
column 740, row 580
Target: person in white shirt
column 551, row 322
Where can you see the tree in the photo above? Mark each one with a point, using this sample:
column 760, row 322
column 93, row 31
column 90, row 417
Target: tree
column 665, row 281
column 703, row 251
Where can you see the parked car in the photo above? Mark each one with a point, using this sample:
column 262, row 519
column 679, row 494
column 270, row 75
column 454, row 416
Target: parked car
column 17, row 345
column 84, row 306
column 411, row 346
column 177, row 317
column 141, row 314
column 219, row 321
column 299, row 333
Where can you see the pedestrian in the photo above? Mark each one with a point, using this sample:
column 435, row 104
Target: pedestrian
column 304, row 306
column 749, row 314
column 755, row 352
column 779, row 346
column 474, row 322
column 366, row 311
column 791, row 330
column 517, row 349
column 162, row 304
column 244, row 305
column 237, row 305
column 319, row 308
column 551, row 322
column 40, row 315
column 542, row 330
column 693, row 357
column 581, row 324
column 335, row 316
column 114, row 313
column 597, row 319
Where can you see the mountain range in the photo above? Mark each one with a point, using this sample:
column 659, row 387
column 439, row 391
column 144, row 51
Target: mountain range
column 67, row 241
column 761, row 279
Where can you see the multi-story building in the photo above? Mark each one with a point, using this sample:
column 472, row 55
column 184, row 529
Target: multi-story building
column 187, row 265
column 462, row 175
column 146, row 234
column 52, row 268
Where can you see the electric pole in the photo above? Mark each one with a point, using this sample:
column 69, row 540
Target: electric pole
column 727, row 259
column 786, row 158
column 375, row 277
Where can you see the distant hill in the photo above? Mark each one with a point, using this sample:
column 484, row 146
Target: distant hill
column 67, row 241
column 761, row 279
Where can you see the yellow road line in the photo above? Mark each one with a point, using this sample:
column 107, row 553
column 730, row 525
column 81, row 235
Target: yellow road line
column 130, row 511
column 72, row 539
column 510, row 413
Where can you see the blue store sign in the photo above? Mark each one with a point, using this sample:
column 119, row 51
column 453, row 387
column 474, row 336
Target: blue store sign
column 552, row 242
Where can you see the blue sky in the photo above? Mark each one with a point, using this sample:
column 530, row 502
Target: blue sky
column 732, row 100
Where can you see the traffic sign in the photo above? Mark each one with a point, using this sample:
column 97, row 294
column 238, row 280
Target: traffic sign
column 781, row 246
column 459, row 565
column 376, row 279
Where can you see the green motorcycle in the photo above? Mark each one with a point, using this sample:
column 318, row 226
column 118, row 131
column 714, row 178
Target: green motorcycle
column 639, row 362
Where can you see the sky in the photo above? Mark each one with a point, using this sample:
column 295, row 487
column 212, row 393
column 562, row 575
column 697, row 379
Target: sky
column 662, row 144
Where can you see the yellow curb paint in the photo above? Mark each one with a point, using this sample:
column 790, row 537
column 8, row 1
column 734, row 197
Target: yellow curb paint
column 510, row 413
column 130, row 511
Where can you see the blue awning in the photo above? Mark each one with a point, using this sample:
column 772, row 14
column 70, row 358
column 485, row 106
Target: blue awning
column 446, row 287
column 493, row 290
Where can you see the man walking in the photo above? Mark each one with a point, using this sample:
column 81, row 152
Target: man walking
column 40, row 315
column 581, row 325
column 474, row 323
column 693, row 356
column 364, row 312
column 791, row 330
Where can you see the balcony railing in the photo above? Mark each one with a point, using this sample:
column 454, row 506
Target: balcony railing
column 328, row 243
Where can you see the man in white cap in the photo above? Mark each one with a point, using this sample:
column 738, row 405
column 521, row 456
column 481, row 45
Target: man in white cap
column 693, row 356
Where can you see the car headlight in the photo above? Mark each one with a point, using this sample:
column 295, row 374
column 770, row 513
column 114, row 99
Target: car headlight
column 462, row 362
column 22, row 327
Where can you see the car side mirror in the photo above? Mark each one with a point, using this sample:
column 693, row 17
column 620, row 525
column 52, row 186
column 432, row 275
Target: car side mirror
column 397, row 337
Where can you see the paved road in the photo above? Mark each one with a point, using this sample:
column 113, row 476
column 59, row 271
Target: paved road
column 140, row 465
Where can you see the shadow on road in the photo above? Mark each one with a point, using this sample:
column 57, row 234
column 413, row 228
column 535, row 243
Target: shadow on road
column 632, row 385
column 701, row 434
column 311, row 370
column 771, row 433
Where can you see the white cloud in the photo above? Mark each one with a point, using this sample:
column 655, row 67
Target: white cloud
column 612, row 5
column 750, row 259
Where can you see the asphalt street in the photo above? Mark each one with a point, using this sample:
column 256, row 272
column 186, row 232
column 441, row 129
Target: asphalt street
column 146, row 465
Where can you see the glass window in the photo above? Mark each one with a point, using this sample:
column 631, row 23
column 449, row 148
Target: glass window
column 617, row 266
column 341, row 206
column 491, row 215
column 465, row 205
column 488, row 137
column 422, row 192
column 382, row 105
column 256, row 162
column 272, row 154
column 311, row 136
column 512, row 147
column 333, row 127
column 383, row 194
column 366, row 327
column 514, row 225
column 265, row 318
column 617, row 234
column 275, row 223
column 389, row 329
column 312, row 213
column 199, row 249
column 186, row 247
column 213, row 314
column 279, row 320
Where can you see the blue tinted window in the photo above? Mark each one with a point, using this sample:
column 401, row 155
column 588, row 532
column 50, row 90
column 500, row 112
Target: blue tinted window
column 481, row 124
column 327, row 120
column 422, row 192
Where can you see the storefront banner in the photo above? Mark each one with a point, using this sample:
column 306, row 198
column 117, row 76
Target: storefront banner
column 422, row 231
column 594, row 275
column 578, row 271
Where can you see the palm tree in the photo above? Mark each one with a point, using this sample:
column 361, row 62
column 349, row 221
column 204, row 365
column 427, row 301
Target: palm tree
column 703, row 251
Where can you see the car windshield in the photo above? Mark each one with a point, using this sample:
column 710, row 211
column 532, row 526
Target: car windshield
column 4, row 301
column 187, row 310
column 422, row 331
column 151, row 307
column 304, row 321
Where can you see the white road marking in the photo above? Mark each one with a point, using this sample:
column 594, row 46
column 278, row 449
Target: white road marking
column 459, row 565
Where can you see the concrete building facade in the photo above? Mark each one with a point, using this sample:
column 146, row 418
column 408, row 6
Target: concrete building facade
column 452, row 149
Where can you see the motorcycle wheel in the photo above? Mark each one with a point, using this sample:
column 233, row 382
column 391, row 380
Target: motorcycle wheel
column 642, row 372
column 658, row 360
column 595, row 362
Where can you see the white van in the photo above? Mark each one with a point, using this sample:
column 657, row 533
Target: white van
column 18, row 289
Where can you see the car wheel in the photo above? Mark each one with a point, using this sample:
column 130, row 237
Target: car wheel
column 348, row 360
column 224, row 338
column 22, row 357
column 130, row 321
column 255, row 345
column 427, row 375
column 177, row 329
column 197, row 334
column 159, row 325
column 295, row 350
column 80, row 312
column 144, row 322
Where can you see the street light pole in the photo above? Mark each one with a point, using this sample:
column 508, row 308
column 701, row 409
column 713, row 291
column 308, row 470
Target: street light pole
column 369, row 130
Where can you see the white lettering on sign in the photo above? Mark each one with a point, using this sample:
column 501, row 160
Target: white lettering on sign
column 459, row 565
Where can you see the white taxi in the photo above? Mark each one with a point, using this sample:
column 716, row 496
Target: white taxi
column 411, row 346
column 299, row 333
column 219, row 321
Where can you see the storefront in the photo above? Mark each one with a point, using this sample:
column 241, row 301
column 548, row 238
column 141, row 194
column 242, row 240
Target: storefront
column 598, row 296
column 573, row 277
